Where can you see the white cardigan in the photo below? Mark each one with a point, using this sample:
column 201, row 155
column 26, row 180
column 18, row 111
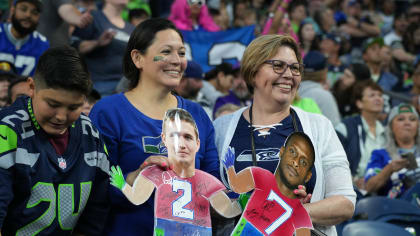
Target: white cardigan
column 333, row 175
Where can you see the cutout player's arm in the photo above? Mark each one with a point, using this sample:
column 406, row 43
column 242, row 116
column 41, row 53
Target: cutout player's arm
column 241, row 182
column 138, row 193
column 224, row 206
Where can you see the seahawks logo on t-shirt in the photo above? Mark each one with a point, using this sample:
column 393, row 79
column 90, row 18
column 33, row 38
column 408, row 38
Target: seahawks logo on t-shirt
column 153, row 145
column 267, row 154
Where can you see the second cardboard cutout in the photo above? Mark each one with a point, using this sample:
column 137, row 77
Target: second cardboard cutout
column 273, row 208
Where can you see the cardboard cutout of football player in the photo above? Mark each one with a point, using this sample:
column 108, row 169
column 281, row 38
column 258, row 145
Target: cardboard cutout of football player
column 183, row 194
column 274, row 208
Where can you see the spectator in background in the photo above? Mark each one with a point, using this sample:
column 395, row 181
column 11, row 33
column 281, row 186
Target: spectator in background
column 357, row 26
column 343, row 88
column 19, row 86
column 238, row 94
column 4, row 86
column 387, row 10
column 372, row 58
column 272, row 69
column 91, row 100
column 406, row 51
column 399, row 27
column 415, row 91
column 226, row 109
column 330, row 46
column 324, row 17
column 220, row 16
column 388, row 62
column 277, row 23
column 137, row 15
column 414, row 12
column 192, row 15
column 297, row 13
column 313, row 83
column 362, row 133
column 218, row 82
column 136, row 10
column 388, row 173
column 20, row 43
column 131, row 122
column 56, row 17
column 306, row 104
column 191, row 82
column 7, row 73
column 308, row 37
column 103, row 43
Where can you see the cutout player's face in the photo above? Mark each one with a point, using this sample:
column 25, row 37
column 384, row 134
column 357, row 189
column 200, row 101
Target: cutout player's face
column 181, row 141
column 295, row 164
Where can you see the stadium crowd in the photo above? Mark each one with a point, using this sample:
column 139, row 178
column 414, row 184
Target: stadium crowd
column 350, row 80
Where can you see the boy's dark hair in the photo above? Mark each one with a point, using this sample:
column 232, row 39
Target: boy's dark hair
column 62, row 68
column 360, row 86
column 137, row 13
column 182, row 114
column 225, row 67
column 141, row 38
column 305, row 138
column 93, row 96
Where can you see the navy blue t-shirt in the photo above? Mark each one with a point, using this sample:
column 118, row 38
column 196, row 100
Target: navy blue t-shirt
column 267, row 147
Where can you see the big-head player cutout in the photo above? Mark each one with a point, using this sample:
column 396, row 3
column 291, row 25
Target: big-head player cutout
column 183, row 193
column 273, row 208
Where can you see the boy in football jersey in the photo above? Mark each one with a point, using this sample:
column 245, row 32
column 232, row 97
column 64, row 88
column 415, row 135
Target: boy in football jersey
column 273, row 208
column 183, row 194
column 20, row 43
column 53, row 163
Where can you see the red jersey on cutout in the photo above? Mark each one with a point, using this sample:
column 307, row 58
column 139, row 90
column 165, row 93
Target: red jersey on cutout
column 270, row 211
column 183, row 200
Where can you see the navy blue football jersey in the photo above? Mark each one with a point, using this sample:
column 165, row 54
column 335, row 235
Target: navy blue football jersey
column 42, row 192
column 23, row 54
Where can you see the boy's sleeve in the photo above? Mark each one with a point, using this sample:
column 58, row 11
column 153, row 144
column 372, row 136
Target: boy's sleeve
column 8, row 146
column 94, row 217
column 6, row 193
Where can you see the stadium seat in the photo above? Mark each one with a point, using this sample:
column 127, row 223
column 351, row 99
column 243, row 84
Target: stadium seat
column 394, row 211
column 374, row 228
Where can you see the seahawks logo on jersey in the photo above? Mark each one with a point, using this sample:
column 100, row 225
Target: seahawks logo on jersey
column 153, row 145
column 267, row 154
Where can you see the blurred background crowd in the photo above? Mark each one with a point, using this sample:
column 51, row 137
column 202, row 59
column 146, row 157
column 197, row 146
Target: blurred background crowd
column 361, row 66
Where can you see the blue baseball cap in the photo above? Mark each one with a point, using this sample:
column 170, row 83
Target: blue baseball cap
column 314, row 61
column 194, row 71
column 332, row 37
column 37, row 3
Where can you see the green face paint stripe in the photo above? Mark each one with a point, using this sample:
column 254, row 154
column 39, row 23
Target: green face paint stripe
column 8, row 139
column 157, row 58
column 31, row 113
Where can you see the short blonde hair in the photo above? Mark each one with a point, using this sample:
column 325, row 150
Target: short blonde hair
column 261, row 49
